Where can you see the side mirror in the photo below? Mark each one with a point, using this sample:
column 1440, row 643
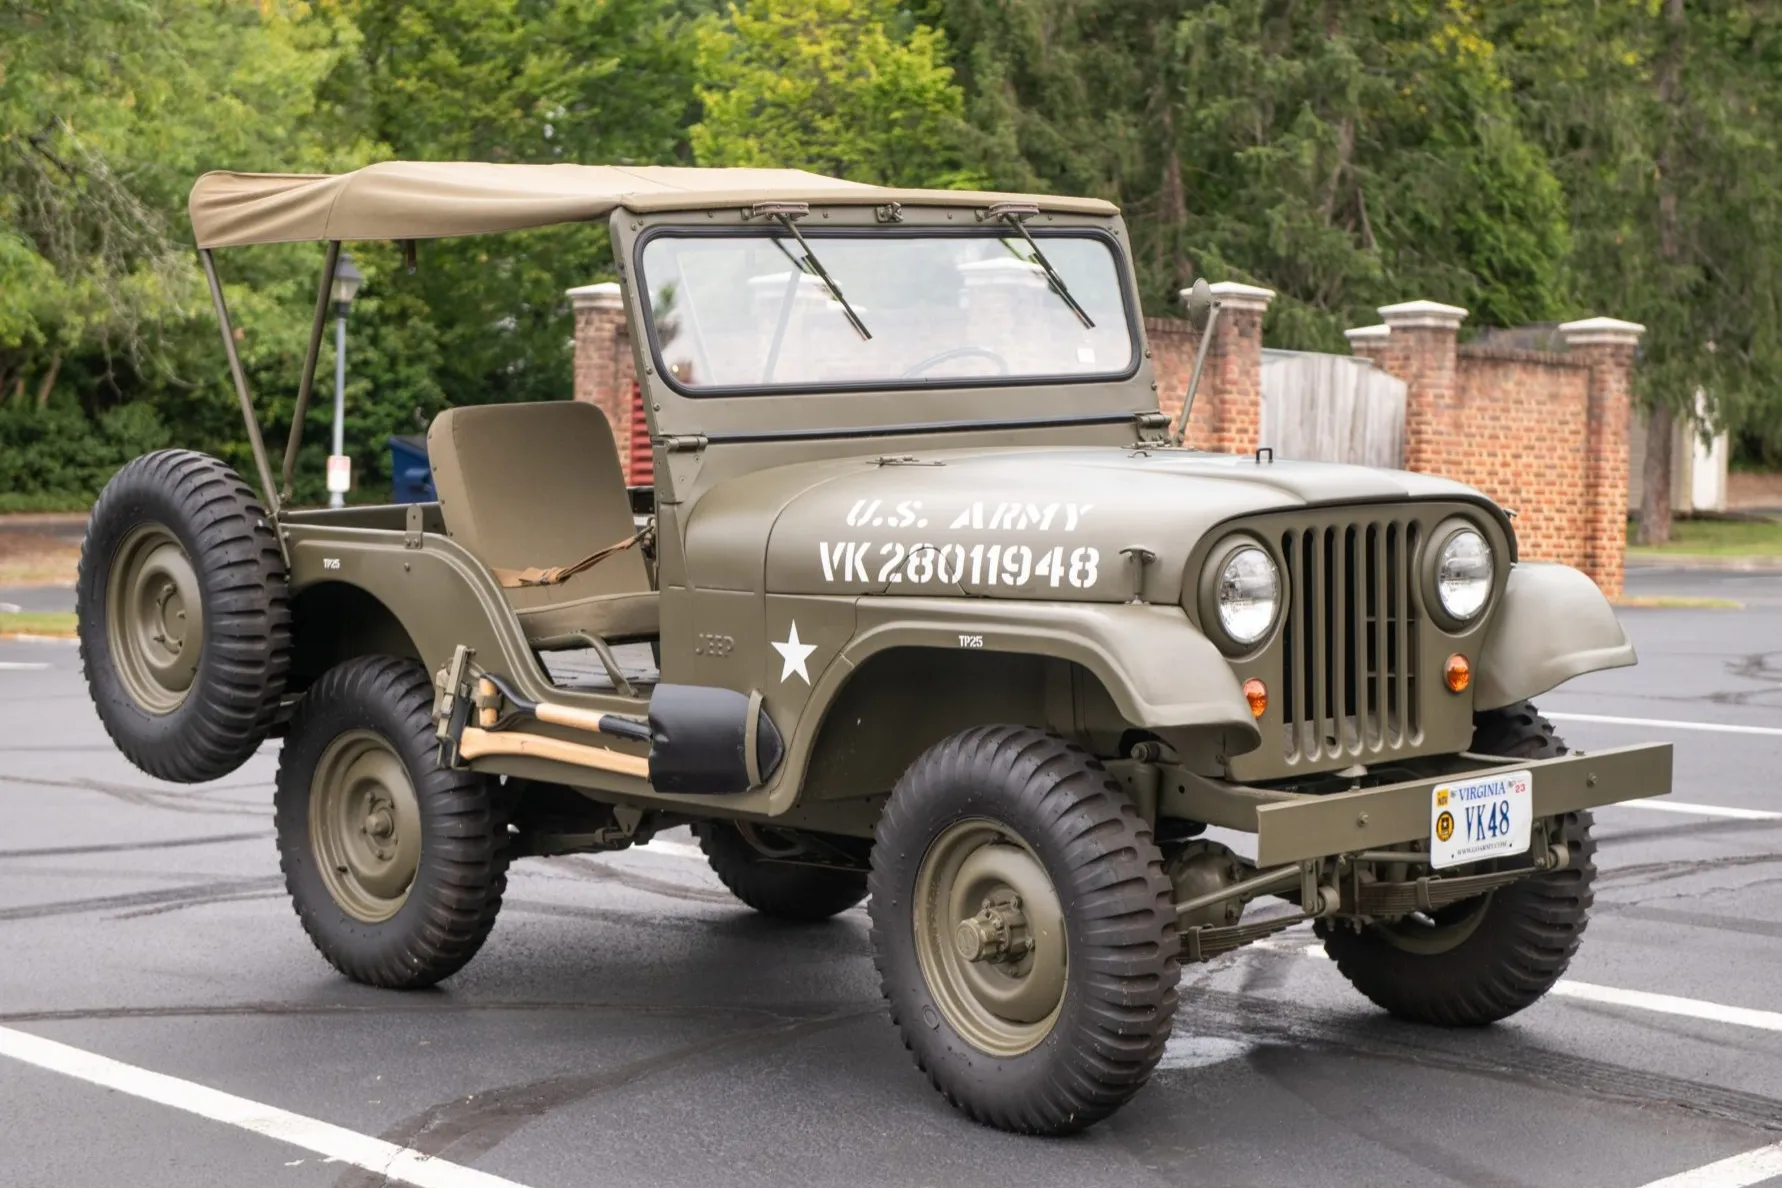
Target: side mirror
column 1199, row 305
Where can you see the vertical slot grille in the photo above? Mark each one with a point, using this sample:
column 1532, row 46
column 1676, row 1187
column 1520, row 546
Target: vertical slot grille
column 1349, row 679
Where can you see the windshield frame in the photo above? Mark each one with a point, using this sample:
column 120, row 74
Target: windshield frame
column 1129, row 302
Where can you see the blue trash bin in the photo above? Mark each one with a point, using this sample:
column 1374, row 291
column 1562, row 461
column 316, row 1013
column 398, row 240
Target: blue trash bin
column 411, row 477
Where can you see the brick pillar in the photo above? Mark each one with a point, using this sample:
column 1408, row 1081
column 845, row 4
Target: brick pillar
column 1420, row 348
column 604, row 368
column 1232, row 385
column 1368, row 342
column 1607, row 345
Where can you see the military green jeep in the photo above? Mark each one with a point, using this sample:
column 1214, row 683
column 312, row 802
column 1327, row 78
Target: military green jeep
column 928, row 607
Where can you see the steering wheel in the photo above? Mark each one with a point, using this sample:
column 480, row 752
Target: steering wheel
column 964, row 352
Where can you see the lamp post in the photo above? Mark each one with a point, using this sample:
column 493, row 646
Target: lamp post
column 347, row 280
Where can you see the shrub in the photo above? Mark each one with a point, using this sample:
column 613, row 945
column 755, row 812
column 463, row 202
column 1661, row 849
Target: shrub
column 57, row 457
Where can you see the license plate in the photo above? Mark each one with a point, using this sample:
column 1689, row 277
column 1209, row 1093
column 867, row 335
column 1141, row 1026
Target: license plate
column 1488, row 817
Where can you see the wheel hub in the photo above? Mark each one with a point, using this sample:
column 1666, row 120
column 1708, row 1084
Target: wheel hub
column 380, row 822
column 154, row 618
column 997, row 934
column 989, row 931
column 365, row 826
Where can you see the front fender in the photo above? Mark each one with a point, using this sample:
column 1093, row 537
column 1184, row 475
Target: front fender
column 1554, row 624
column 1160, row 670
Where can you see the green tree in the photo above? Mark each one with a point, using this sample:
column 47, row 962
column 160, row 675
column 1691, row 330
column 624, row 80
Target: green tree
column 849, row 88
column 1346, row 154
column 526, row 81
column 108, row 111
column 1664, row 122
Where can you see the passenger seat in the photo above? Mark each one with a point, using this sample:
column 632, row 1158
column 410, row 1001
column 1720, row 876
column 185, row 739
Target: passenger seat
column 539, row 485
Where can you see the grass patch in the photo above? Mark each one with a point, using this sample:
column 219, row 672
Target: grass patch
column 56, row 623
column 1716, row 538
column 36, row 502
column 1671, row 602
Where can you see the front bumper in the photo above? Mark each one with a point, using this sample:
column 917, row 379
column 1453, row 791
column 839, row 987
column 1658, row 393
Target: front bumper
column 1294, row 827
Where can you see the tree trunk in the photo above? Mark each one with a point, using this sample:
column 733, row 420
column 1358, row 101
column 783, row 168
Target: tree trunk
column 1655, row 499
column 49, row 382
column 1655, row 492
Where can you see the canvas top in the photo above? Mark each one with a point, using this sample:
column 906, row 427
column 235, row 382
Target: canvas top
column 438, row 199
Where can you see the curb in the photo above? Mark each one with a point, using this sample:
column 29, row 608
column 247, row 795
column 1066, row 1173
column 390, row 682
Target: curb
column 1706, row 562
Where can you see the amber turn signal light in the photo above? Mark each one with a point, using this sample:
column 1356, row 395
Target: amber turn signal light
column 1458, row 673
column 1256, row 693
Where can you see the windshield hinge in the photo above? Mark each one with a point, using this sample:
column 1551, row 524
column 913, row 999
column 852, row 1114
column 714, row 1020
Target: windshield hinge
column 1152, row 428
column 778, row 210
column 683, row 443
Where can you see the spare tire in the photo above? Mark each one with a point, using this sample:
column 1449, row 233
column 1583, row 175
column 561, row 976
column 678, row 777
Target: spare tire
column 185, row 620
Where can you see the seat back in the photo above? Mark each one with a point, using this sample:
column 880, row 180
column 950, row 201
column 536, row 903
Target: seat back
column 536, row 484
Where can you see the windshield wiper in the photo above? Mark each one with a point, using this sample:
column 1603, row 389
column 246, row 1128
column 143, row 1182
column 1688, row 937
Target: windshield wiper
column 1012, row 213
column 783, row 213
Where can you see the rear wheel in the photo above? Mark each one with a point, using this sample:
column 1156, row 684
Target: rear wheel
column 395, row 865
column 185, row 624
column 1483, row 959
column 1023, row 930
column 762, row 868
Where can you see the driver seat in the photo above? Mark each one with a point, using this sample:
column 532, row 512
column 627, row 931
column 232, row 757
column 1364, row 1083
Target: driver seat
column 539, row 485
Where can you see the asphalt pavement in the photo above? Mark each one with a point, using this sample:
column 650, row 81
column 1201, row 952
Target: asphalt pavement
column 630, row 1024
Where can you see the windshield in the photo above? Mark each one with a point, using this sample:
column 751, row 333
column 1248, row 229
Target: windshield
column 751, row 311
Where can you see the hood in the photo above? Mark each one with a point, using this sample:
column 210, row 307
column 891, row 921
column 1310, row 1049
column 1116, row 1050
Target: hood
column 1039, row 523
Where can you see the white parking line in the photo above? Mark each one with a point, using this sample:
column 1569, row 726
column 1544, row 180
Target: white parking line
column 399, row 1164
column 21, row 665
column 1669, row 724
column 673, row 849
column 1668, row 1004
column 1699, row 810
column 1740, row 1171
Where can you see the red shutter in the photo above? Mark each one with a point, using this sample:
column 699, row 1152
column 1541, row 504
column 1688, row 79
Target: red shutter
column 640, row 461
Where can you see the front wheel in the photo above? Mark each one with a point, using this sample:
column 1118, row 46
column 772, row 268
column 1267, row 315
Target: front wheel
column 395, row 865
column 1023, row 930
column 1483, row 959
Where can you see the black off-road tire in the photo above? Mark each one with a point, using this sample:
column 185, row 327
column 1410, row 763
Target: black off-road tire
column 1119, row 996
column 1523, row 941
column 451, row 904
column 226, row 711
column 784, row 890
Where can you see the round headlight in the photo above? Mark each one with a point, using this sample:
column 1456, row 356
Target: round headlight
column 1463, row 574
column 1248, row 594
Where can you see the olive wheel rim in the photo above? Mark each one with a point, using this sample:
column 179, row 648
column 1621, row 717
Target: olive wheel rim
column 1440, row 931
column 154, row 618
column 990, row 938
column 365, row 826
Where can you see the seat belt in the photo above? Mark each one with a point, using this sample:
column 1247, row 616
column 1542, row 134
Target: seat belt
column 515, row 579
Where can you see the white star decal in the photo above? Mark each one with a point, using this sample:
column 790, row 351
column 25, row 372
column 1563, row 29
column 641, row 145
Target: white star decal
column 794, row 654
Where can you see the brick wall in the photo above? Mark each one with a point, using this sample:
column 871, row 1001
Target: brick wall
column 1518, row 431
column 1541, row 432
column 604, row 367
